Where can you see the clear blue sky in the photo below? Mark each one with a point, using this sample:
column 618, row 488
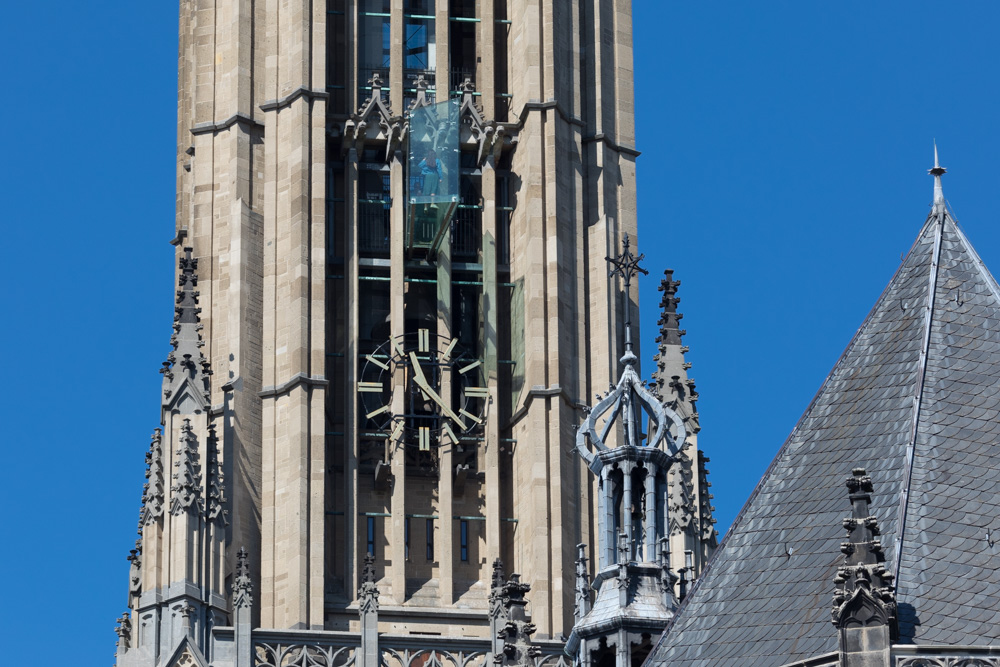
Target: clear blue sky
column 785, row 148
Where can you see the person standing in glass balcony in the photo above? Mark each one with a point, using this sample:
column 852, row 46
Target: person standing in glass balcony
column 430, row 170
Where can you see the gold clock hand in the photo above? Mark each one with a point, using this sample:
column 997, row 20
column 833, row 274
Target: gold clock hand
column 418, row 377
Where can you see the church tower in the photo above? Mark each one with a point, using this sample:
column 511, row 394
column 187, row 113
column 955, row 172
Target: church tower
column 392, row 224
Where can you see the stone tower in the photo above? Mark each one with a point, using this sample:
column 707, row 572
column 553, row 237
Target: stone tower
column 398, row 211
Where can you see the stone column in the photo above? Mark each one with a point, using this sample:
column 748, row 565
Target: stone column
column 649, row 523
column 397, row 288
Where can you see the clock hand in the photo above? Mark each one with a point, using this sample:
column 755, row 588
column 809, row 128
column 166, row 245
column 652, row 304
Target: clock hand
column 418, row 377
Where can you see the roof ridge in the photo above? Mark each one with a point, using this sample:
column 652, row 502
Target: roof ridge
column 904, row 492
column 740, row 516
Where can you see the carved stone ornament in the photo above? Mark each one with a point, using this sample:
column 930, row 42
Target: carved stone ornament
column 516, row 632
column 124, row 631
column 153, row 491
column 368, row 592
column 375, row 121
column 242, row 583
column 488, row 135
column 864, row 595
column 186, row 371
column 186, row 490
column 215, row 510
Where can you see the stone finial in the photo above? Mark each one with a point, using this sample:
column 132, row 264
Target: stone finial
column 242, row 583
column 186, row 490
column 124, row 631
column 864, row 594
column 368, row 592
column 421, row 85
column 186, row 371
column 216, row 509
column 186, row 609
column 516, row 633
column 154, row 488
column 134, row 573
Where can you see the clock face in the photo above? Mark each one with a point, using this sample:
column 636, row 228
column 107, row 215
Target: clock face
column 444, row 395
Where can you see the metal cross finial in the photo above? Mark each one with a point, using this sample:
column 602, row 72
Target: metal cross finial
column 626, row 265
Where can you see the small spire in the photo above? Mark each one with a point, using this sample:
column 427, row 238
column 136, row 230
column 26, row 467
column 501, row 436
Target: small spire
column 186, row 365
column 937, row 172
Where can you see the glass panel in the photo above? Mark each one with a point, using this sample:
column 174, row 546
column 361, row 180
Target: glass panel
column 418, row 35
column 373, row 48
column 433, row 177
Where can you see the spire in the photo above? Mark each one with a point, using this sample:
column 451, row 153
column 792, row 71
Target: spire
column 937, row 172
column 185, row 372
column 626, row 265
column 674, row 387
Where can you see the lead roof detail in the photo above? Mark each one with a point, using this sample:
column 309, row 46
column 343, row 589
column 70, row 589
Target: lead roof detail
column 915, row 399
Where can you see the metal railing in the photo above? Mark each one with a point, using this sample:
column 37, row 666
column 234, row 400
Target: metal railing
column 374, row 224
column 467, row 232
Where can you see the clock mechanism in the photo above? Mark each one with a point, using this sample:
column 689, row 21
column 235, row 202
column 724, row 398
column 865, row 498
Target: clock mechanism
column 442, row 392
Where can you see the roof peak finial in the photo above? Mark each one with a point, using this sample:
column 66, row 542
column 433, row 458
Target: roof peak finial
column 937, row 172
column 626, row 265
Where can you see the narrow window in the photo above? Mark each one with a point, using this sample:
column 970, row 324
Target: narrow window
column 463, row 528
column 371, row 536
column 430, row 539
column 406, row 538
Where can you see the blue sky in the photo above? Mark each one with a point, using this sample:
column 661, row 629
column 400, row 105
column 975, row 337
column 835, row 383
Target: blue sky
column 785, row 148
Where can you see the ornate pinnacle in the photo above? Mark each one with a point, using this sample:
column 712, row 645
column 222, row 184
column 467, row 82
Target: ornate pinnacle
column 186, row 363
column 626, row 265
column 242, row 584
column 153, row 490
column 516, row 633
column 124, row 631
column 496, row 583
column 368, row 593
column 864, row 592
column 186, row 490
column 216, row 487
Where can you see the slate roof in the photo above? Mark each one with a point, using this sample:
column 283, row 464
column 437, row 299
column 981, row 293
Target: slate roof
column 920, row 383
